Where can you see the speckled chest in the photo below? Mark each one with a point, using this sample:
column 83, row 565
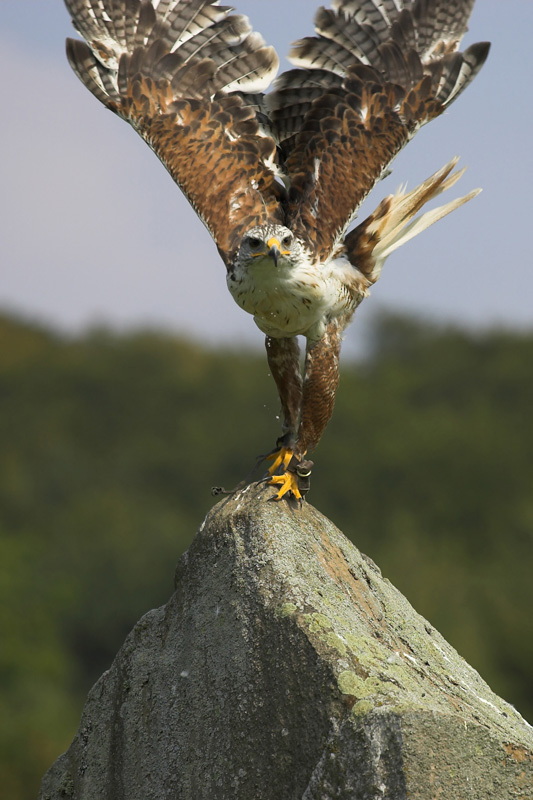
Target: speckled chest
column 296, row 299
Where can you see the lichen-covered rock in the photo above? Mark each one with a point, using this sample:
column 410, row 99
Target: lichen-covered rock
column 285, row 666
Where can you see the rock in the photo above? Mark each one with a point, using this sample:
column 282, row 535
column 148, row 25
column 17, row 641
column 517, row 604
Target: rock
column 285, row 666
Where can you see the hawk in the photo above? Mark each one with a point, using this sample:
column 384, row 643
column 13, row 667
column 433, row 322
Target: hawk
column 277, row 178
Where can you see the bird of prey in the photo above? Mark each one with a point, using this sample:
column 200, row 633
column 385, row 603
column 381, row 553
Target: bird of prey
column 277, row 177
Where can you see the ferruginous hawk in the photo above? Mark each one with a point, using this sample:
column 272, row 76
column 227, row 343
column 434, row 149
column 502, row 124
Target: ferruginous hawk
column 277, row 178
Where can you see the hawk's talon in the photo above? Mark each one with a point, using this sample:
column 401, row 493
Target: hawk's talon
column 295, row 481
column 281, row 458
column 288, row 483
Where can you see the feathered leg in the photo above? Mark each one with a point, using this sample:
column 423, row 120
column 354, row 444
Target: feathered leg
column 321, row 379
column 284, row 361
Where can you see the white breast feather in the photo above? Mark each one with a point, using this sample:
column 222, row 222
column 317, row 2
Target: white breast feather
column 293, row 300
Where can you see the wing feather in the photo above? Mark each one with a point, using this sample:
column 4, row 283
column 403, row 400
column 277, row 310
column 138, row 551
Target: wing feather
column 376, row 71
column 179, row 73
column 189, row 76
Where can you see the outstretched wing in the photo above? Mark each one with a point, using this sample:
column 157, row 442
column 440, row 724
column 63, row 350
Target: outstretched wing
column 182, row 74
column 376, row 72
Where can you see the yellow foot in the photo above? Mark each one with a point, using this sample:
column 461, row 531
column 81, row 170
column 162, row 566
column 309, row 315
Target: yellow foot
column 288, row 483
column 281, row 458
column 294, row 481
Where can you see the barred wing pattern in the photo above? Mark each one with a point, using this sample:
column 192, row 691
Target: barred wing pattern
column 189, row 76
column 179, row 72
column 375, row 73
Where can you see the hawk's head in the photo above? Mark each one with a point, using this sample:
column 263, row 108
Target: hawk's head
column 269, row 246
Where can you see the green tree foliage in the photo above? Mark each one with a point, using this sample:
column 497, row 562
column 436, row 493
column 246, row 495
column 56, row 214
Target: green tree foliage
column 109, row 447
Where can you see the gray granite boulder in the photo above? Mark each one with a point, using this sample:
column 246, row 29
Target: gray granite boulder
column 286, row 667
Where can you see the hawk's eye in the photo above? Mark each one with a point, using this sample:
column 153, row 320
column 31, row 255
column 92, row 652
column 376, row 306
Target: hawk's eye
column 287, row 240
column 254, row 243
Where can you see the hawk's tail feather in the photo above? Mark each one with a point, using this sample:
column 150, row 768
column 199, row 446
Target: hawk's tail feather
column 393, row 223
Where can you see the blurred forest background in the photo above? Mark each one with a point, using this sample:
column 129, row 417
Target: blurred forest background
column 110, row 444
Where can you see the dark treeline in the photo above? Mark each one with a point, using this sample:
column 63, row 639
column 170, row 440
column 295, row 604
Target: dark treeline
column 109, row 446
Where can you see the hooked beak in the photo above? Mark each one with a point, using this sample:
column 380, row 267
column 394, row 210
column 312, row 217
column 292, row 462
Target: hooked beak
column 274, row 251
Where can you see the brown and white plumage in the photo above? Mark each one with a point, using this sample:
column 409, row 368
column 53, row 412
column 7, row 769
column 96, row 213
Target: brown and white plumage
column 278, row 178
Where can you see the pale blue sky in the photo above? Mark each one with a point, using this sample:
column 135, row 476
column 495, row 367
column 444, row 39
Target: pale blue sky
column 93, row 230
